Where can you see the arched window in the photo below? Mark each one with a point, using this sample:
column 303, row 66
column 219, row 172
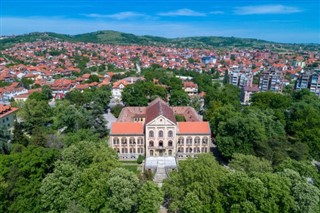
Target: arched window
column 170, row 134
column 124, row 140
column 115, row 140
column 170, row 143
column 197, row 150
column 132, row 150
column 180, row 149
column 205, row 140
column 170, row 152
column 160, row 134
column 151, row 152
column 132, row 141
column 151, row 134
column 140, row 140
column 151, row 143
column 197, row 141
column 189, row 140
column 161, row 143
column 180, row 141
column 190, row 149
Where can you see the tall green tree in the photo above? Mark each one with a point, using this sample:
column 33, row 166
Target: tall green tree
column 36, row 113
column 141, row 93
column 21, row 174
column 179, row 98
column 150, row 198
column 270, row 100
column 18, row 135
column 80, row 179
column 122, row 185
column 250, row 163
column 200, row 176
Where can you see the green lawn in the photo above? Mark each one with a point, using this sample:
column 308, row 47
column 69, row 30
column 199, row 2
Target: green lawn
column 128, row 161
column 132, row 168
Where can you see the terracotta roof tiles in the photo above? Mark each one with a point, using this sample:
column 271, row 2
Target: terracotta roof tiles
column 159, row 108
column 200, row 127
column 126, row 128
column 6, row 110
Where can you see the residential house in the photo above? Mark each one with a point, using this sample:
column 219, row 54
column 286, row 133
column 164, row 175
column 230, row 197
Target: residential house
column 190, row 88
column 7, row 119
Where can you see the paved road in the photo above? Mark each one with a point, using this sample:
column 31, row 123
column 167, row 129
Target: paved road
column 110, row 118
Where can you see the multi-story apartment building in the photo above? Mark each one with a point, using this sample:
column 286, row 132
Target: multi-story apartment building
column 271, row 80
column 241, row 77
column 315, row 82
column 309, row 80
column 154, row 131
column 247, row 93
column 303, row 80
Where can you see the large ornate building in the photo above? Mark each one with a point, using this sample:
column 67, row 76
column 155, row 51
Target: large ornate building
column 155, row 131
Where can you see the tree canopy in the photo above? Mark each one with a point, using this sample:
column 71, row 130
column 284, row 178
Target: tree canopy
column 202, row 185
column 141, row 93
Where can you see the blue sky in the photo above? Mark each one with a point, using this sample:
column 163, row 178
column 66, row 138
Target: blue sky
column 294, row 21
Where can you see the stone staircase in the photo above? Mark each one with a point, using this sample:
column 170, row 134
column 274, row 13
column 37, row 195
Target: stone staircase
column 161, row 173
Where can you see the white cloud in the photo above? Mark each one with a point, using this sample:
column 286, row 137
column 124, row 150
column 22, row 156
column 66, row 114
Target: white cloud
column 265, row 9
column 217, row 12
column 182, row 12
column 118, row 16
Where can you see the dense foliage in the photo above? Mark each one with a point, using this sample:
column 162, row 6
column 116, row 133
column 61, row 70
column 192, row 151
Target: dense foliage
column 202, row 185
column 141, row 93
column 275, row 126
column 58, row 160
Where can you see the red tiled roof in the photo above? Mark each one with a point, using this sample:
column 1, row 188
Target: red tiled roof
column 159, row 107
column 190, row 84
column 86, row 76
column 118, row 83
column 126, row 128
column 6, row 110
column 200, row 127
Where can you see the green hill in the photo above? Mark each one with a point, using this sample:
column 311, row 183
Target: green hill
column 118, row 38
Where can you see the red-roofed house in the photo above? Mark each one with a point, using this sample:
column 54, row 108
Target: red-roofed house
column 153, row 131
column 7, row 119
column 117, row 88
column 190, row 88
column 61, row 86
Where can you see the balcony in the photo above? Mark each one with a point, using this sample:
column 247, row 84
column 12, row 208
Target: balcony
column 161, row 147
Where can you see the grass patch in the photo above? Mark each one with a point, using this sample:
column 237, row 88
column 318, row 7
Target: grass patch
column 180, row 118
column 129, row 162
column 131, row 168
